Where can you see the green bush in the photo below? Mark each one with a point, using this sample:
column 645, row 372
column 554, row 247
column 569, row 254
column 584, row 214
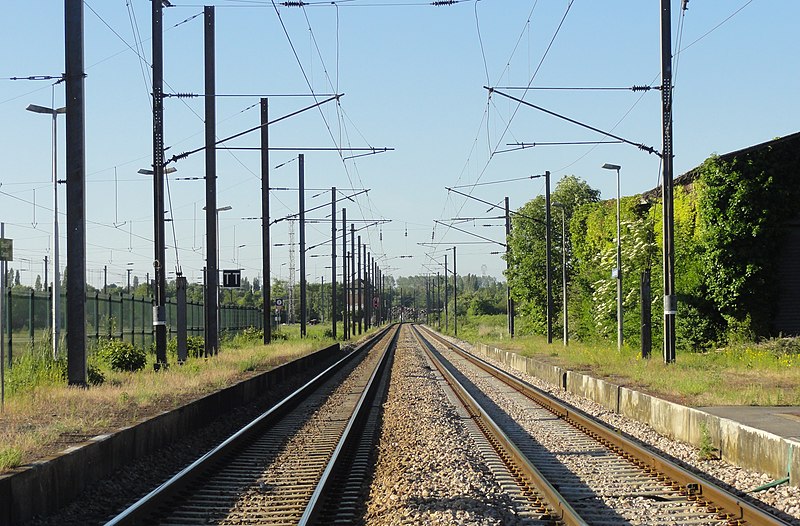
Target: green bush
column 94, row 374
column 195, row 347
column 121, row 356
column 279, row 336
column 253, row 334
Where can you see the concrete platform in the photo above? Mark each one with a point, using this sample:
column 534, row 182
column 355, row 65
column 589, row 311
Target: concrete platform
column 783, row 421
column 765, row 439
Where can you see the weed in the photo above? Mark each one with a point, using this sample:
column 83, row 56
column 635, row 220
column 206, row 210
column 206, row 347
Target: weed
column 706, row 451
column 10, row 457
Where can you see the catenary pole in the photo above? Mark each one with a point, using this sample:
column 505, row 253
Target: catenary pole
column 670, row 299
column 359, row 284
column 509, row 301
column 353, row 280
column 212, row 243
column 446, row 300
column 345, row 316
column 333, row 261
column 159, row 262
column 455, row 295
column 76, row 192
column 302, row 201
column 549, row 263
column 266, row 286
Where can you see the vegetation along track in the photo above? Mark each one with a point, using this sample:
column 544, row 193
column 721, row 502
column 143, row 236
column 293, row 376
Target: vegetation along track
column 277, row 469
column 593, row 475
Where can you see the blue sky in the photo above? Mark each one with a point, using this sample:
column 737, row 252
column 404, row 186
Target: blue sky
column 413, row 77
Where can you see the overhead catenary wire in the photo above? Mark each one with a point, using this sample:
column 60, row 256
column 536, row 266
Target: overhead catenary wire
column 530, row 82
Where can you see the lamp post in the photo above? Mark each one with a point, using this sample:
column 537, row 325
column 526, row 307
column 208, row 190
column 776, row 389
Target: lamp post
column 56, row 279
column 564, row 269
column 618, row 270
column 158, row 173
column 216, row 230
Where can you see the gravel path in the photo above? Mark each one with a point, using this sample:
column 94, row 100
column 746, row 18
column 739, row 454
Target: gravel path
column 429, row 470
column 783, row 498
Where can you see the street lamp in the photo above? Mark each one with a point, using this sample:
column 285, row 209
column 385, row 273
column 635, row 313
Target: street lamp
column 56, row 279
column 145, row 171
column 618, row 270
column 564, row 269
column 238, row 247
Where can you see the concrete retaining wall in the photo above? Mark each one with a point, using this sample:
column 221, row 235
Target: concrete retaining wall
column 737, row 443
column 44, row 486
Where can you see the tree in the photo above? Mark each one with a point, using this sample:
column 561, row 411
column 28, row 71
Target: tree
column 38, row 286
column 526, row 272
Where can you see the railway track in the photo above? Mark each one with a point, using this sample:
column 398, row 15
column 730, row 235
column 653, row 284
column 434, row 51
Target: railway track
column 584, row 472
column 280, row 468
column 322, row 457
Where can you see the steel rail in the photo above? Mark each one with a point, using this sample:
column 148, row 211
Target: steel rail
column 705, row 493
column 140, row 511
column 559, row 507
column 351, row 434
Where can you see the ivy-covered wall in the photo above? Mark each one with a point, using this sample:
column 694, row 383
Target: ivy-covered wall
column 729, row 235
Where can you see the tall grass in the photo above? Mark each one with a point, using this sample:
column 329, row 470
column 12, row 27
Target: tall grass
column 744, row 373
column 40, row 411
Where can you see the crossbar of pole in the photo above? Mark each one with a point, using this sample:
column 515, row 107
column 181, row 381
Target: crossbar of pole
column 452, row 189
column 310, row 149
column 470, row 233
column 184, row 155
column 648, row 149
column 319, row 207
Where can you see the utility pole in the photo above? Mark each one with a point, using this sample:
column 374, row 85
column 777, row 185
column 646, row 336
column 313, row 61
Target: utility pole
column 455, row 295
column 367, row 290
column 212, row 272
column 159, row 262
column 427, row 300
column 50, row 319
column 354, row 279
column 446, row 300
column 670, row 299
column 302, row 192
column 76, row 193
column 549, row 271
column 509, row 301
column 438, row 301
column 266, row 292
column 360, row 285
column 345, row 315
column 333, row 260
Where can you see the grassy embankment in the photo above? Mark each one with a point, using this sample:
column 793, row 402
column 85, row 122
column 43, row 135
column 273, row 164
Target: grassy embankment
column 762, row 374
column 41, row 415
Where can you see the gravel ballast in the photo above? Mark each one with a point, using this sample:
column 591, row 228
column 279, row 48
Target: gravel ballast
column 428, row 469
column 784, row 498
